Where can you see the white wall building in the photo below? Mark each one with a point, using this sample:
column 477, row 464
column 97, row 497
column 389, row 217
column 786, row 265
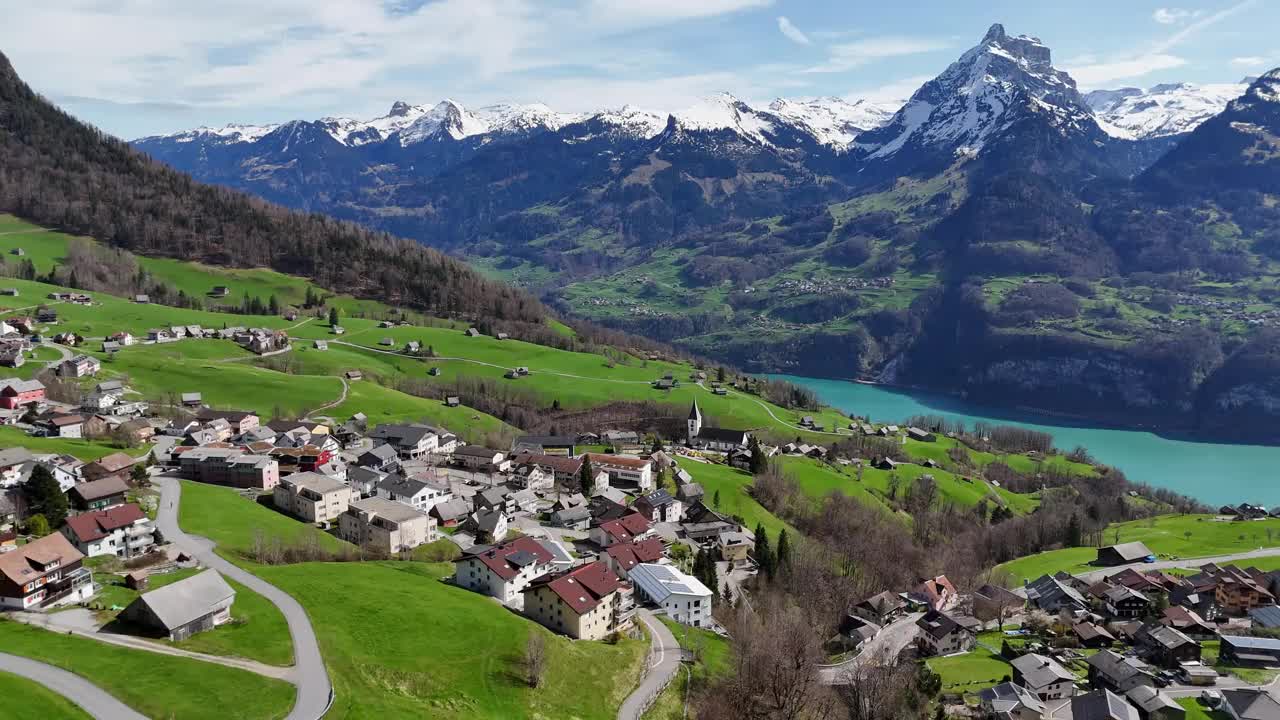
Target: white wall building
column 685, row 599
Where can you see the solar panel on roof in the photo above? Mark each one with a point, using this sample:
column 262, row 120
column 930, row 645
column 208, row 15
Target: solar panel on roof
column 522, row 558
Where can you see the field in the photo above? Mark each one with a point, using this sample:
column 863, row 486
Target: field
column 27, row 699
column 1196, row 711
column 258, row 631
column 159, row 686
column 1171, row 537
column 87, row 450
column 970, row 672
column 418, row 646
column 732, row 485
column 713, row 661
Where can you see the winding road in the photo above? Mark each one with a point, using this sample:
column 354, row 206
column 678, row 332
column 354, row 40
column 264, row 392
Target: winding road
column 89, row 697
column 315, row 692
column 664, row 663
column 889, row 642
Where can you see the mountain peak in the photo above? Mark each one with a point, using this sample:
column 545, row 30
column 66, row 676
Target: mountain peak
column 399, row 108
column 994, row 34
column 1265, row 88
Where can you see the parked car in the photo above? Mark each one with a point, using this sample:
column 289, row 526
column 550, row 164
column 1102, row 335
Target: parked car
column 1211, row 698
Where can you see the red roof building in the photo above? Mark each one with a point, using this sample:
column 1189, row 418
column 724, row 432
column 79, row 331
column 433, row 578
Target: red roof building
column 124, row 531
column 503, row 571
column 622, row 557
column 627, row 529
column 589, row 602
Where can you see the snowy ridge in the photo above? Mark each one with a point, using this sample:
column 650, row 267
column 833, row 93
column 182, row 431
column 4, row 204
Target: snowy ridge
column 832, row 121
column 1161, row 111
column 726, row 112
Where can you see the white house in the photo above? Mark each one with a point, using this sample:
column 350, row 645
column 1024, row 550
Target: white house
column 503, row 571
column 123, row 531
column 685, row 599
column 421, row 494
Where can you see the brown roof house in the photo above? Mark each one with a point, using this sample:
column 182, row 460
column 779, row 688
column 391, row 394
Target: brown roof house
column 98, row 494
column 184, row 608
column 589, row 602
column 115, row 465
column 44, row 573
column 503, row 571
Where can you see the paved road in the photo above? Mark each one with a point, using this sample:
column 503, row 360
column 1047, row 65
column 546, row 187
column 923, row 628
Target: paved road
column 91, row 698
column 1094, row 576
column 314, row 690
column 664, row 663
column 891, row 640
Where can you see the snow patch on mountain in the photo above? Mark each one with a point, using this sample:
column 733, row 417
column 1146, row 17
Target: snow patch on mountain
column 834, row 122
column 1160, row 111
column 726, row 112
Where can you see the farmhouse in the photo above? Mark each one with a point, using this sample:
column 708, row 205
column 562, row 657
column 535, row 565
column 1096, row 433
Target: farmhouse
column 410, row 441
column 98, row 494
column 1043, row 676
column 184, row 608
column 15, row 393
column 943, row 634
column 1123, row 554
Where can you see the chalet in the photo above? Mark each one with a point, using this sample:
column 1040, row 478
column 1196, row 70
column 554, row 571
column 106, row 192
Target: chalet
column 853, row 633
column 489, row 526
column 1153, row 704
column 690, row 492
column 61, row 425
column 658, row 506
column 630, row 528
column 588, row 602
column 123, row 531
column 1010, row 700
column 1124, row 554
column 184, row 608
column 943, row 634
column 380, row 457
column 1043, row 676
column 1190, row 623
column 1091, row 635
column 916, row 433
column 45, row 572
column 1123, row 602
column 116, row 465
column 881, row 609
column 1166, row 647
column 503, row 571
column 1117, row 672
column 994, row 601
column 622, row 557
column 494, row 498
column 1052, row 595
column 1102, row 705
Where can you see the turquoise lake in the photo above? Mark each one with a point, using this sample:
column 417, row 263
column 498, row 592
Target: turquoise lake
column 1215, row 473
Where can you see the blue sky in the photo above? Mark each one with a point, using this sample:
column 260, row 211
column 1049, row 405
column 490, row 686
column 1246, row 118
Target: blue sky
column 136, row 67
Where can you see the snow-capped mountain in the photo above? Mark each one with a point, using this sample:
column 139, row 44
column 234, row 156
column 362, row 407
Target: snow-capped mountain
column 726, row 112
column 994, row 85
column 832, row 121
column 1161, row 111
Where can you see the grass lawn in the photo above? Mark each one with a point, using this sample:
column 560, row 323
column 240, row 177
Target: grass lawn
column 158, row 686
column 419, row 647
column 714, row 662
column 1169, row 536
column 24, row 698
column 1196, row 711
column 88, row 450
column 972, row 671
column 384, row 405
column 1251, row 675
column 258, row 631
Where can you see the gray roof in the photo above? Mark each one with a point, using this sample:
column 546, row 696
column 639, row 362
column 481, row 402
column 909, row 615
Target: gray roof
column 1253, row 643
column 1149, row 699
column 1267, row 616
column 394, row 511
column 1168, row 637
column 313, row 481
column 1131, row 550
column 382, row 452
column 1008, row 696
column 1252, row 704
column 15, row 456
column 487, row 520
column 1049, row 593
column 187, row 600
column 660, row 582
column 1102, row 705
column 1116, row 667
column 476, row 451
column 451, row 509
column 400, row 485
column 401, row 434
column 1039, row 671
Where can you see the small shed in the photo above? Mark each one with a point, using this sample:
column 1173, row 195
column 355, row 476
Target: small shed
column 192, row 399
column 453, row 401
column 353, row 375
column 1124, row 554
column 136, row 580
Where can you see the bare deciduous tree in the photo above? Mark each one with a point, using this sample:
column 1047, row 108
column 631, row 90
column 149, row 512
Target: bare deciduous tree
column 535, row 658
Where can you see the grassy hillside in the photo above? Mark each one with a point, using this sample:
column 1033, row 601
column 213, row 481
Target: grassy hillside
column 1171, row 537
column 394, row 661
column 27, row 699
column 158, row 686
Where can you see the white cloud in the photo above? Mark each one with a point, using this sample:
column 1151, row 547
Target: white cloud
column 1099, row 74
column 793, row 33
column 1173, row 16
column 633, row 13
column 897, row 91
column 1200, row 25
column 843, row 57
column 1249, row 61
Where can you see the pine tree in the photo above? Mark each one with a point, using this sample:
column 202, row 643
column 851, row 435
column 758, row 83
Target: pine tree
column 657, row 445
column 715, row 499
column 45, row 497
column 720, row 374
column 759, row 462
column 333, row 316
column 764, row 554
column 273, row 305
column 586, row 477
column 1075, row 536
column 784, row 552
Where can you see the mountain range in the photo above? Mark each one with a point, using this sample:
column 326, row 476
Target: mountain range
column 1000, row 233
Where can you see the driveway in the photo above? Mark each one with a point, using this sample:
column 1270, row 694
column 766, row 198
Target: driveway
column 664, row 663
column 315, row 693
column 891, row 640
column 91, row 698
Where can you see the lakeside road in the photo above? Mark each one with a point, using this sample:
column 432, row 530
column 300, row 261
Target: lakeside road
column 87, row 696
column 315, row 692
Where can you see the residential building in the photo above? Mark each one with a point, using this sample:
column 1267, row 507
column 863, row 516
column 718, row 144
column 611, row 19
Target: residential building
column 588, row 602
column 626, row 529
column 1124, row 602
column 16, row 393
column 489, row 526
column 417, row 493
column 478, row 457
column 934, row 593
column 573, row 518
column 625, row 470
column 658, row 506
column 944, row 634
column 450, row 512
column 45, row 572
column 1250, row 704
column 1167, row 647
column 1118, row 672
column 184, row 608
column 881, row 608
column 117, row 465
column 560, row 445
column 1102, row 705
column 564, row 470
column 494, row 498
column 98, row 495
column 1153, row 704
column 1010, row 701
column 382, row 458
column 386, row 525
column 503, row 571
column 1092, row 636
column 995, row 602
column 1043, row 676
column 63, row 425
column 1053, row 595
column 622, row 557
column 410, row 441
column 683, row 597
column 735, row 547
column 240, row 421
column 79, row 366
column 123, row 531
column 230, row 466
column 312, row 497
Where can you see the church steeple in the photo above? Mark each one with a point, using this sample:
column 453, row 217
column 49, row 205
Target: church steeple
column 695, row 421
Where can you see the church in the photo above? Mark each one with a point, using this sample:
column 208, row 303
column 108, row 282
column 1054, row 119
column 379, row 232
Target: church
column 713, row 438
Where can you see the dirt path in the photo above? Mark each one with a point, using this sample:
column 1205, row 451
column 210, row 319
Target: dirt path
column 346, row 388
